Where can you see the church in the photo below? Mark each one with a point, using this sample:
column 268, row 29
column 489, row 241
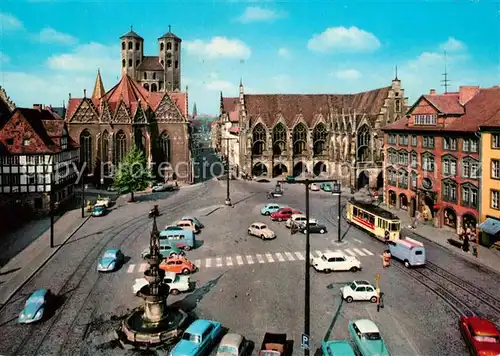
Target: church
column 145, row 108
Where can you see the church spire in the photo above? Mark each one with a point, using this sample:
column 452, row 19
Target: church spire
column 98, row 87
column 195, row 111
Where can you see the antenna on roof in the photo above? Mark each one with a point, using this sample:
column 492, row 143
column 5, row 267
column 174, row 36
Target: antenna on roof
column 396, row 77
column 445, row 81
column 131, row 28
column 169, row 28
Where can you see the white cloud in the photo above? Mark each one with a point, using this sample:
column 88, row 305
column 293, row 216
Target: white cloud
column 4, row 58
column 219, row 47
column 342, row 39
column 51, row 36
column 87, row 58
column 453, row 45
column 258, row 14
column 219, row 85
column 348, row 74
column 283, row 52
column 9, row 23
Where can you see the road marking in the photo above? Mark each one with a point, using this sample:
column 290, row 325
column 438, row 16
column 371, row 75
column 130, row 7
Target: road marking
column 300, row 256
column 143, row 267
column 229, row 261
column 319, row 253
column 250, row 260
column 259, row 258
column 239, row 260
column 269, row 257
column 219, row 261
column 130, row 269
column 208, row 262
column 359, row 242
column 359, row 252
column 280, row 257
column 289, row 256
column 367, row 252
column 197, row 263
column 349, row 252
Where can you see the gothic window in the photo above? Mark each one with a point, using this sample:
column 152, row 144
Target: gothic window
column 176, row 46
column 104, row 147
column 130, row 46
column 120, row 146
column 279, row 139
column 154, row 75
column 391, row 176
column 403, row 179
column 169, row 63
column 320, row 136
column 414, row 159
column 169, row 45
column 470, row 168
column 449, row 165
column 449, row 191
column 145, row 75
column 164, row 143
column 363, row 141
column 398, row 106
column 137, row 62
column 299, row 139
column 146, row 86
column 140, row 140
column 413, row 180
column 137, row 46
column 86, row 150
column 428, row 162
column 124, row 63
column 162, row 46
column 130, row 63
column 259, row 139
column 176, row 64
column 154, row 88
column 469, row 195
column 123, row 45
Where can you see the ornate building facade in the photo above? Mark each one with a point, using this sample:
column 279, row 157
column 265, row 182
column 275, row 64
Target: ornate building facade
column 334, row 134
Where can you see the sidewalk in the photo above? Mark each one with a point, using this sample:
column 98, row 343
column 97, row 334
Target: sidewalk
column 20, row 267
column 486, row 257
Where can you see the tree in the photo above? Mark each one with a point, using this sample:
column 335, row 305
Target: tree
column 133, row 173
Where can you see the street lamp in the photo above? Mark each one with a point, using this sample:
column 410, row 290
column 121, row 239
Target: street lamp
column 337, row 190
column 51, row 196
column 228, row 197
column 83, row 195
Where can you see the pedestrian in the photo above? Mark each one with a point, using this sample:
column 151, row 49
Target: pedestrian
column 386, row 237
column 465, row 246
column 386, row 258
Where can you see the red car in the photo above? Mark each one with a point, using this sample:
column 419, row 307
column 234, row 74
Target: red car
column 284, row 214
column 481, row 336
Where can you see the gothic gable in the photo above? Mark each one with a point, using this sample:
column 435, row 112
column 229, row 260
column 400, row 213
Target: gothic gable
column 85, row 113
column 19, row 136
column 105, row 112
column 167, row 111
column 121, row 114
column 140, row 116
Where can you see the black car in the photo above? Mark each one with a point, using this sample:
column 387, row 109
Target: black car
column 313, row 228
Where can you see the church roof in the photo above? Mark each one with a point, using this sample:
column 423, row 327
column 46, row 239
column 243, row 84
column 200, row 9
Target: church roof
column 231, row 107
column 150, row 63
column 132, row 34
column 169, row 34
column 98, row 87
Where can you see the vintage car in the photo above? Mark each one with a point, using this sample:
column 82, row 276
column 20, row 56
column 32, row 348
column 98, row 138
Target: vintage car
column 274, row 345
column 166, row 250
column 103, row 201
column 163, row 187
column 232, row 345
column 99, row 210
column 268, row 209
column 335, row 261
column 261, row 230
column 194, row 220
column 111, row 260
column 315, row 227
column 366, row 336
column 188, row 225
column 176, row 283
column 198, row 338
column 314, row 187
column 297, row 219
column 481, row 336
column 178, row 264
column 359, row 290
column 284, row 214
column 36, row 306
column 337, row 348
column 326, row 187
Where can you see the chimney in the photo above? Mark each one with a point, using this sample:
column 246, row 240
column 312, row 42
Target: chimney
column 466, row 93
column 84, row 93
column 432, row 92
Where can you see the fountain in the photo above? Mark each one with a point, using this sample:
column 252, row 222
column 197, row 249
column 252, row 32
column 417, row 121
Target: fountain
column 153, row 324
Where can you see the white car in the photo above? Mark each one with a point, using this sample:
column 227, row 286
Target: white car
column 176, row 283
column 297, row 219
column 314, row 187
column 103, row 201
column 359, row 290
column 261, row 230
column 335, row 261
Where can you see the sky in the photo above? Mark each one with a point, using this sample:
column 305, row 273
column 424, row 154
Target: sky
column 49, row 49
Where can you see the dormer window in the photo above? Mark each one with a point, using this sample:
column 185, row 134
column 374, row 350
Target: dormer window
column 26, row 141
column 425, row 119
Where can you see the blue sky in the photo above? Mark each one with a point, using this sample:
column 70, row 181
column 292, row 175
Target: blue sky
column 51, row 48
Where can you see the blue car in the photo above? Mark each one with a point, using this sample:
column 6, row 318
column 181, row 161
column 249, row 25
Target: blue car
column 111, row 260
column 337, row 348
column 99, row 210
column 268, row 209
column 366, row 336
column 198, row 338
column 35, row 306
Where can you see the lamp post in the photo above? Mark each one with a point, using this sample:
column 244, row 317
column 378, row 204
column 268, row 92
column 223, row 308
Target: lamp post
column 51, row 196
column 337, row 190
column 228, row 197
column 83, row 196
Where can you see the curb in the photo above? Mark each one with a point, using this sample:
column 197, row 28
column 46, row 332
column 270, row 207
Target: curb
column 213, row 210
column 45, row 261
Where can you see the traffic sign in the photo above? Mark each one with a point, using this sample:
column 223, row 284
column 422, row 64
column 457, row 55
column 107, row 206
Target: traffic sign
column 305, row 341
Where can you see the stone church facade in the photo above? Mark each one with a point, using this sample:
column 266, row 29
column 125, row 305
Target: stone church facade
column 337, row 135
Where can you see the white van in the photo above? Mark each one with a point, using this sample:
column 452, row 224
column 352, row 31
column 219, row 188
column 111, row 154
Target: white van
column 298, row 219
column 411, row 252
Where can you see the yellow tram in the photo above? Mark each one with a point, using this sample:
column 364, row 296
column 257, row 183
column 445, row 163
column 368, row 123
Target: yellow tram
column 373, row 219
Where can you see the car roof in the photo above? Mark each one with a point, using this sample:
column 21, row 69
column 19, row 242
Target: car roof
column 170, row 275
column 188, row 218
column 294, row 216
column 259, row 223
column 362, row 282
column 198, row 326
column 366, row 326
column 482, row 326
column 274, row 204
column 333, row 254
column 232, row 339
column 112, row 250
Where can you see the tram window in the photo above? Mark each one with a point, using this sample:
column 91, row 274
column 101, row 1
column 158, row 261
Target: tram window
column 394, row 227
column 372, row 219
column 355, row 211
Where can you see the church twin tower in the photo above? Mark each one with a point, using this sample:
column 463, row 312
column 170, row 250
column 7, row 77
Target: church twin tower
column 155, row 73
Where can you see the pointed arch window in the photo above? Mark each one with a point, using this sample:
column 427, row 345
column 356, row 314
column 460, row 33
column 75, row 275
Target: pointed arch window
column 320, row 136
column 164, row 145
column 154, row 75
column 86, row 150
column 145, row 75
column 124, row 63
column 130, row 45
column 130, row 62
column 398, row 106
column 162, row 46
column 364, row 142
column 123, row 45
column 105, row 151
column 154, row 88
column 299, row 139
column 169, row 45
column 137, row 46
column 259, row 140
column 120, row 147
column 279, row 139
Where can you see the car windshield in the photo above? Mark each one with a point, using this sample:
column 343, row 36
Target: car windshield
column 36, row 300
column 192, row 337
column 262, row 227
column 98, row 207
column 487, row 338
column 228, row 349
column 109, row 255
column 353, row 286
column 371, row 336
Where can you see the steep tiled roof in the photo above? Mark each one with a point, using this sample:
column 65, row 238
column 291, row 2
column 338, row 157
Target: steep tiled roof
column 131, row 33
column 98, row 87
column 150, row 63
column 169, row 34
column 231, row 106
column 446, row 103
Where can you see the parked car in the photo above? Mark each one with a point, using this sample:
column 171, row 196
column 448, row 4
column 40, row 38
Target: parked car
column 99, row 210
column 481, row 336
column 314, row 187
column 359, row 291
column 274, row 345
column 188, row 225
column 198, row 338
column 314, row 228
column 284, row 214
column 195, row 221
column 297, row 219
column 176, row 283
column 261, row 230
column 326, row 187
column 335, row 261
column 178, row 264
column 103, row 201
column 268, row 209
column 232, row 345
column 166, row 250
column 111, row 260
column 36, row 306
column 366, row 336
column 337, row 348
column 159, row 187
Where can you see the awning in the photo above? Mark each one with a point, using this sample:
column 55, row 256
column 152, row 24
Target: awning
column 490, row 226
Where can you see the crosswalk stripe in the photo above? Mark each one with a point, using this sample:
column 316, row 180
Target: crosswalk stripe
column 349, row 252
column 250, row 260
column 269, row 257
column 219, row 261
column 208, row 262
column 319, row 253
column 143, row 267
column 359, row 242
column 229, row 261
column 299, row 256
column 239, row 260
column 280, row 257
column 289, row 256
column 359, row 252
column 197, row 263
column 131, row 268
column 259, row 258
column 367, row 252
